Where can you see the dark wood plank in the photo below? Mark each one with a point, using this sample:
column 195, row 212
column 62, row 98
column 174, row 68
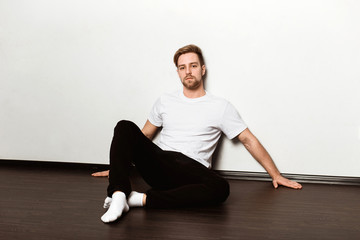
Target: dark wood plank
column 64, row 203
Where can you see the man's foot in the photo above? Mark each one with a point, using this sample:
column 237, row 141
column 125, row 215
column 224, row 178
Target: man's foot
column 107, row 202
column 117, row 208
column 136, row 199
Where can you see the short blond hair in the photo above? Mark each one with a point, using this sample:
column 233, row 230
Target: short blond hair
column 189, row 49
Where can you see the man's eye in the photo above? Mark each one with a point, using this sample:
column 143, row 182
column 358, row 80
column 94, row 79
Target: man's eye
column 194, row 66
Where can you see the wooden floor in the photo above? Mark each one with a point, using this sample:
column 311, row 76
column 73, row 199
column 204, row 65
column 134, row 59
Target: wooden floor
column 62, row 203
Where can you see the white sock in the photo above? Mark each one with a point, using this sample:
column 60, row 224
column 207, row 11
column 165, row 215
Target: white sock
column 135, row 199
column 117, row 208
column 107, row 202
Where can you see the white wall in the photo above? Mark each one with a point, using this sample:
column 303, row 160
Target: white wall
column 70, row 70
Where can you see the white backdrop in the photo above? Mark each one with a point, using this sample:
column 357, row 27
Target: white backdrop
column 70, row 69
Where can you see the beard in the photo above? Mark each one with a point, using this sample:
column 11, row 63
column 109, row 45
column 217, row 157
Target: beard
column 192, row 83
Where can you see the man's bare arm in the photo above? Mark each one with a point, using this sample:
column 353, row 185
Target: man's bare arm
column 260, row 154
column 149, row 130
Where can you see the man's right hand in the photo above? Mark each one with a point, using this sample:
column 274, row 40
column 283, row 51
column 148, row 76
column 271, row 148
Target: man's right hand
column 101, row 174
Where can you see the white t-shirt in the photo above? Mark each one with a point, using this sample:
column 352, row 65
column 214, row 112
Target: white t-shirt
column 193, row 126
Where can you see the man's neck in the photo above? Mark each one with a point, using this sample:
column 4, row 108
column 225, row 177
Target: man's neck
column 194, row 93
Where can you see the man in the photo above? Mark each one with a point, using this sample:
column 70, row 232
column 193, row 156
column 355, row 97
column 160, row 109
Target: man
column 178, row 167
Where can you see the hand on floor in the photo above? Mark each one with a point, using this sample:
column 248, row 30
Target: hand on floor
column 280, row 180
column 101, row 174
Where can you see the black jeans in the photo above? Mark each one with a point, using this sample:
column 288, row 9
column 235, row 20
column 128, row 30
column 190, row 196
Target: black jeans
column 175, row 179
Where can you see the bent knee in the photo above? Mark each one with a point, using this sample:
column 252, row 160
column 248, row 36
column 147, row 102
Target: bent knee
column 124, row 124
column 225, row 191
column 221, row 190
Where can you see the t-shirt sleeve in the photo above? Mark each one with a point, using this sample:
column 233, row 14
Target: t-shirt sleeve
column 155, row 116
column 232, row 124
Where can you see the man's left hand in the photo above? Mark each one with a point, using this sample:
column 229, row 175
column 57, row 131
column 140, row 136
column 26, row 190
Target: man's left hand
column 101, row 174
column 280, row 180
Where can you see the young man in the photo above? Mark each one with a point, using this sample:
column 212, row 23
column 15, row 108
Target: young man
column 178, row 167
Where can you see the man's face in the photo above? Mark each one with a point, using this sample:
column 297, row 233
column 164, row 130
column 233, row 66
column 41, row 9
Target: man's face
column 190, row 71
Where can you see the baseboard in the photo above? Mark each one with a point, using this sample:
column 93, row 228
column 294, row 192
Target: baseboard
column 302, row 178
column 235, row 175
column 48, row 164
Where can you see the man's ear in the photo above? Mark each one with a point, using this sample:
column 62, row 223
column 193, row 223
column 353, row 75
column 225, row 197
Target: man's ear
column 203, row 70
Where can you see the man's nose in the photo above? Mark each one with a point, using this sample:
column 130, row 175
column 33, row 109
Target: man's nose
column 188, row 70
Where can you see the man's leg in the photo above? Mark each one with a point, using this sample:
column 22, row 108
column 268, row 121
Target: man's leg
column 176, row 180
column 184, row 182
column 129, row 145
